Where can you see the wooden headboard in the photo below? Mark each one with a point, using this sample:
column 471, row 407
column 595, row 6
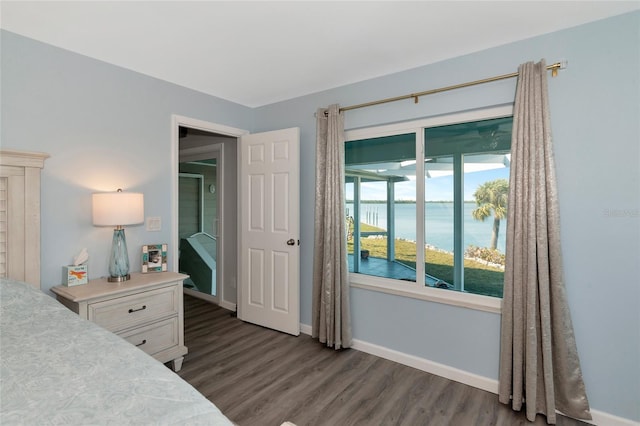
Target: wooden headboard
column 20, row 215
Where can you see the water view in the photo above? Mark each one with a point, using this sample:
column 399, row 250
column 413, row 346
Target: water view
column 439, row 223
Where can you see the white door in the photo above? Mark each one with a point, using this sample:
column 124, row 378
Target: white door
column 269, row 254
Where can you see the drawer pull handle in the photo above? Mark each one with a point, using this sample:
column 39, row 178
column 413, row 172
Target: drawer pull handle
column 139, row 309
column 142, row 343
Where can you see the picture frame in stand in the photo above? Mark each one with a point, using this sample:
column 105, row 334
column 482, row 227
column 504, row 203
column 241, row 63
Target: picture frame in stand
column 154, row 258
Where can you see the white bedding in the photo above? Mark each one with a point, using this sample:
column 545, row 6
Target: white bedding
column 58, row 369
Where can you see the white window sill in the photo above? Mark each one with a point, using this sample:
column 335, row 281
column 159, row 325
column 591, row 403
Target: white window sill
column 437, row 295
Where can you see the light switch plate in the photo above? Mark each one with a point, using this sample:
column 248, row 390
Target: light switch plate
column 153, row 224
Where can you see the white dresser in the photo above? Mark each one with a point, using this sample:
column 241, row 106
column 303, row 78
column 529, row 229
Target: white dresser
column 146, row 310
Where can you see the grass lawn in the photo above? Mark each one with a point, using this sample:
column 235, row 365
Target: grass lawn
column 478, row 277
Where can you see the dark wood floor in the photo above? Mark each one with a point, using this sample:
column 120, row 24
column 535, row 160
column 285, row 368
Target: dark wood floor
column 258, row 376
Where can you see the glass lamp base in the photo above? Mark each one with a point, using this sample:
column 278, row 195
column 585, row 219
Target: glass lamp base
column 119, row 261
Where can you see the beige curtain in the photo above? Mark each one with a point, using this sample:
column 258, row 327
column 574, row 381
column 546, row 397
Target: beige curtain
column 331, row 322
column 539, row 365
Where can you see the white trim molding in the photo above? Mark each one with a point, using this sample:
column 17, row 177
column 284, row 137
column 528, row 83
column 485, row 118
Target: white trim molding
column 606, row 419
column 228, row 306
column 199, row 295
column 448, row 372
column 437, row 295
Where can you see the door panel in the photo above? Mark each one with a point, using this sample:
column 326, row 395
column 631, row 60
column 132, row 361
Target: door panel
column 256, row 278
column 269, row 220
column 281, row 293
column 281, row 202
column 256, row 203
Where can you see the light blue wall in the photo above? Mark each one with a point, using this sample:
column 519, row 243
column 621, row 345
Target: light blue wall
column 595, row 115
column 105, row 128
column 104, row 124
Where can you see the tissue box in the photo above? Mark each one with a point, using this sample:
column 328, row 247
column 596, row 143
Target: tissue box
column 75, row 275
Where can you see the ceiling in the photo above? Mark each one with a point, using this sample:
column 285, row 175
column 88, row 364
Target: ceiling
column 258, row 53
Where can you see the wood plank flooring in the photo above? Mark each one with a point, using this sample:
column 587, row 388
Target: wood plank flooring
column 258, row 376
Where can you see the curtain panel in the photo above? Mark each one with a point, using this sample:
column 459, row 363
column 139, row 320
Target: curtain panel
column 539, row 365
column 331, row 318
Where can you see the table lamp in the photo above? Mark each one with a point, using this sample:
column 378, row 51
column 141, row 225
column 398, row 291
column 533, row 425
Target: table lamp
column 118, row 209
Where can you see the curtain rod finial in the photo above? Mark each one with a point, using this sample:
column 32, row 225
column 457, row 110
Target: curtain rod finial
column 562, row 64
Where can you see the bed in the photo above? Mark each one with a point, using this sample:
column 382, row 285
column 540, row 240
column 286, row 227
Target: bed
column 56, row 368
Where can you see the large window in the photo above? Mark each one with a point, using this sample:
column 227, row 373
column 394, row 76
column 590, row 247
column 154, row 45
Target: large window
column 427, row 208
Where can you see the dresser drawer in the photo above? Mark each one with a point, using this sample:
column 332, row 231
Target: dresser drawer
column 154, row 337
column 135, row 309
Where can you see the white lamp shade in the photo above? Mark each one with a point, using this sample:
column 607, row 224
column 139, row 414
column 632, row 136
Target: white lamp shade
column 118, row 208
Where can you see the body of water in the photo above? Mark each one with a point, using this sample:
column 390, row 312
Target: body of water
column 438, row 223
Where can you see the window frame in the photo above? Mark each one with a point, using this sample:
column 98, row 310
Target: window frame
column 411, row 289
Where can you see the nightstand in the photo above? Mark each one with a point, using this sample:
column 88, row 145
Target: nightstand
column 146, row 311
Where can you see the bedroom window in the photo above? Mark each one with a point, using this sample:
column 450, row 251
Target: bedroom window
column 444, row 231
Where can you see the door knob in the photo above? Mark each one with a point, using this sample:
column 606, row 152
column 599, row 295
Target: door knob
column 291, row 242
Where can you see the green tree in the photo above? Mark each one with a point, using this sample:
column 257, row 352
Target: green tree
column 491, row 198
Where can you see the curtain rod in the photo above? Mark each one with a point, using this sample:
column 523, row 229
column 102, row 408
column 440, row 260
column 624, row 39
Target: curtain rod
column 553, row 67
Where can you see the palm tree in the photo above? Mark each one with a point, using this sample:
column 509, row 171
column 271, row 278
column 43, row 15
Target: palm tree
column 491, row 198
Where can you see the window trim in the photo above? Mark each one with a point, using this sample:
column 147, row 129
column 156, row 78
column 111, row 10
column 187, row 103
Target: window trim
column 409, row 289
column 477, row 302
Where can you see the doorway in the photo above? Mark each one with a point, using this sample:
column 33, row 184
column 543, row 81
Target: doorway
column 204, row 242
column 250, row 199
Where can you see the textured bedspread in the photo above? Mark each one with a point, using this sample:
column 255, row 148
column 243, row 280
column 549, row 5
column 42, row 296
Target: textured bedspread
column 58, row 369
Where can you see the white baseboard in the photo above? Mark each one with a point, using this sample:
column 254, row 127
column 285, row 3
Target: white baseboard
column 461, row 376
column 432, row 367
column 606, row 419
column 228, row 305
column 223, row 304
column 438, row 369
